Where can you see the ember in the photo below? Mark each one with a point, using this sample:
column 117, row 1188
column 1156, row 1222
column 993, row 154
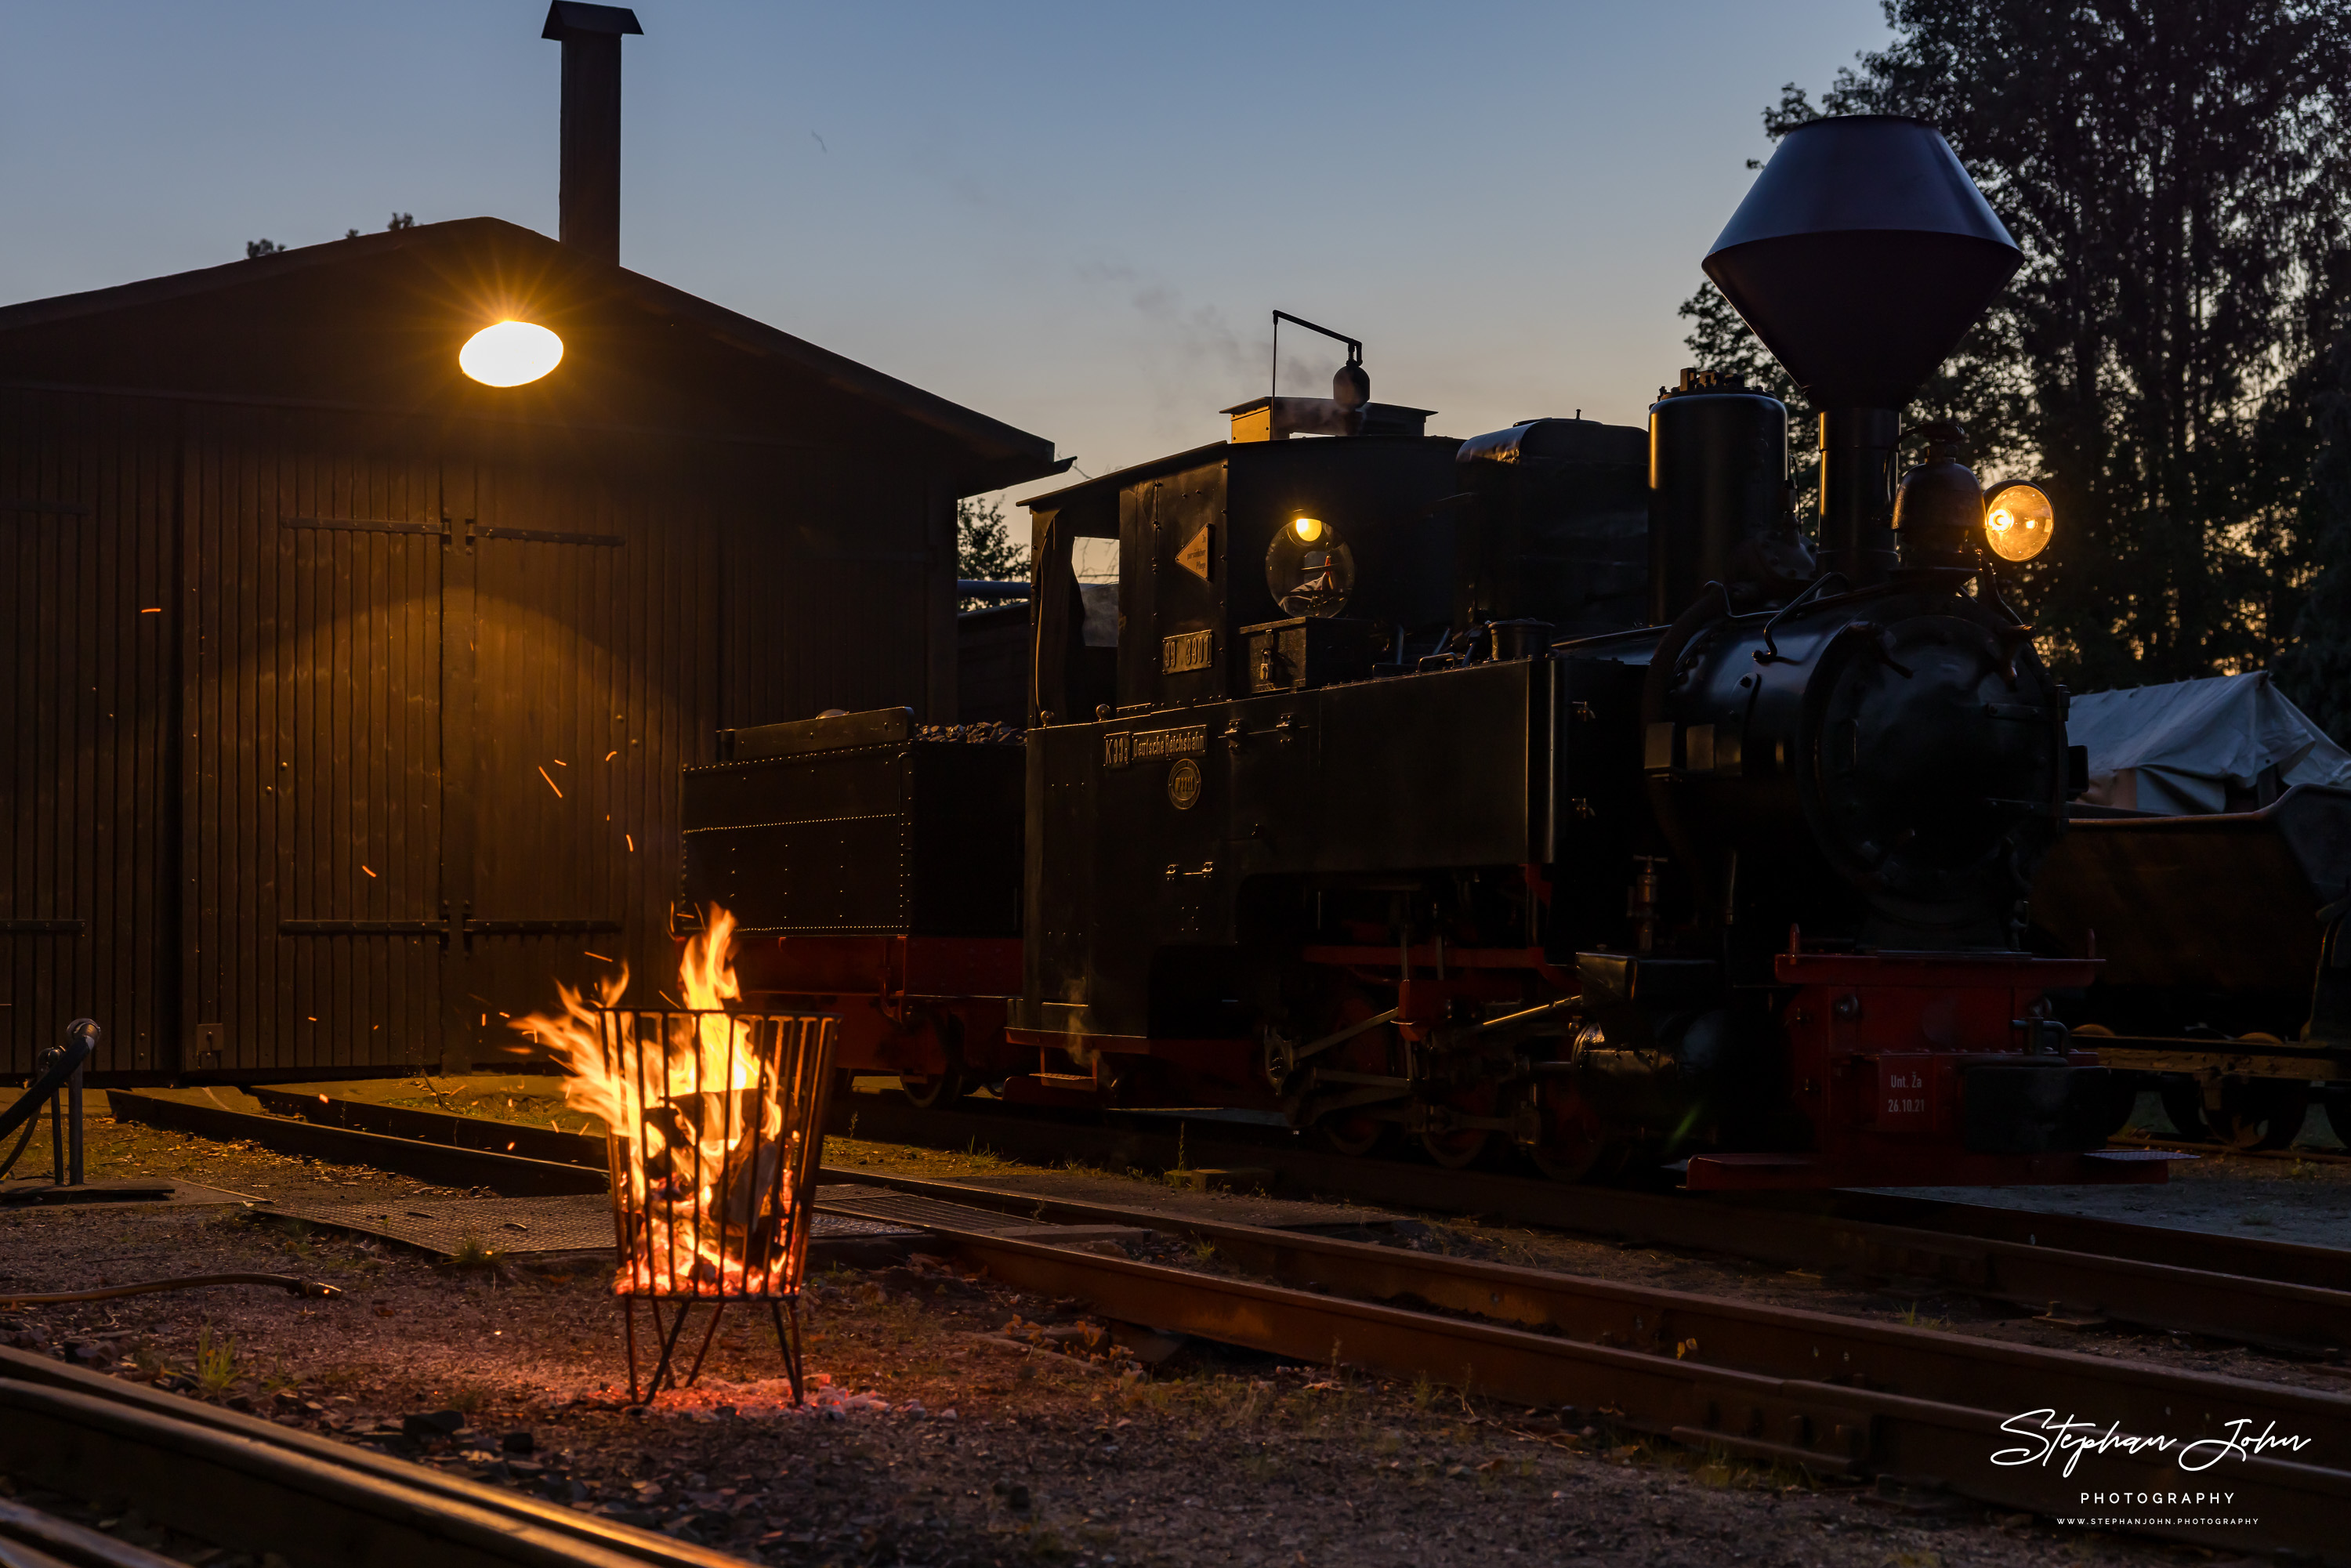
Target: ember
column 714, row 1120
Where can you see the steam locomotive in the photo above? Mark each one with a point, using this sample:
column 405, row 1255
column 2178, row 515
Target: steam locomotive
column 1542, row 792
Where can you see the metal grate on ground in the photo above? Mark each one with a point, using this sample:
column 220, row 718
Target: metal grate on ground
column 522, row 1226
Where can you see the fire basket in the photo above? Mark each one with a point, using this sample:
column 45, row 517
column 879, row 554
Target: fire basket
column 713, row 1126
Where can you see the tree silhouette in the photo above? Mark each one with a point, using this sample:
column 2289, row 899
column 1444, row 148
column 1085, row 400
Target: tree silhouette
column 983, row 547
column 2174, row 171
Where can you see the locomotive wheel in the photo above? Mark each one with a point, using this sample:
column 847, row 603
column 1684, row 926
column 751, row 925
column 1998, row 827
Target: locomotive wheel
column 1577, row 1159
column 940, row 1089
column 1574, row 1146
column 1355, row 1133
column 2260, row 1113
column 1457, row 1150
column 2184, row 1103
column 1355, row 1136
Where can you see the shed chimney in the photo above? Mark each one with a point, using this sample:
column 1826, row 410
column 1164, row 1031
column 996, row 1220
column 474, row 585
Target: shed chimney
column 590, row 36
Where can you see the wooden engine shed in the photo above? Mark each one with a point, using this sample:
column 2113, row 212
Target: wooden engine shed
column 346, row 697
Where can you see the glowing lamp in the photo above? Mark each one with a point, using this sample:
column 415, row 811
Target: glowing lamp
column 511, row 354
column 1307, row 530
column 2018, row 520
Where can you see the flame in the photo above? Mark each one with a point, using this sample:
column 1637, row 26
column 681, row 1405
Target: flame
column 696, row 1113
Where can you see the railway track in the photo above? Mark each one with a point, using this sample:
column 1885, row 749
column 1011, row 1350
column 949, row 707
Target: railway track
column 248, row 1485
column 1775, row 1385
column 1767, row 1385
column 2276, row 1295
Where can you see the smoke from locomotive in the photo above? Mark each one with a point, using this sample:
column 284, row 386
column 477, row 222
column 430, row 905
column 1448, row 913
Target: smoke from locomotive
column 1548, row 792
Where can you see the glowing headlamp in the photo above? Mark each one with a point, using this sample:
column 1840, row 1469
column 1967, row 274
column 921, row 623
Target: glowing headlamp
column 1307, row 530
column 2018, row 520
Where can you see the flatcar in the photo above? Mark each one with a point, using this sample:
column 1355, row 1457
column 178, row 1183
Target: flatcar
column 1546, row 795
column 2225, row 987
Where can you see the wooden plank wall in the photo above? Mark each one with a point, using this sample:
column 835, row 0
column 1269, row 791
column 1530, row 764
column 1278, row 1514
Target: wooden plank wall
column 378, row 648
column 88, row 624
column 840, row 579
column 597, row 676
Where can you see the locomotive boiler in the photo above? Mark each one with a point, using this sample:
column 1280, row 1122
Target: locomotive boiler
column 1549, row 792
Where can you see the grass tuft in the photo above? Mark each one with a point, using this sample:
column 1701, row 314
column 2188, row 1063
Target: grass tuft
column 216, row 1363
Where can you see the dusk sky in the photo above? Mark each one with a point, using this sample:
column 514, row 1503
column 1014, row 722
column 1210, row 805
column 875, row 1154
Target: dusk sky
column 1075, row 218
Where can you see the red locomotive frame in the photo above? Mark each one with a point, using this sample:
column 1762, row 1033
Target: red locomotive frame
column 1876, row 1044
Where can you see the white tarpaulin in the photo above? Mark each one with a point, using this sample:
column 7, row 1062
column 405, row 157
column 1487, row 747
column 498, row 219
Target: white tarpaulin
column 2181, row 749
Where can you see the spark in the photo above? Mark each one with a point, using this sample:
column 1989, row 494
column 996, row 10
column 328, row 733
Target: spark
column 598, row 956
column 551, row 782
column 367, row 869
column 612, row 754
column 560, row 763
column 157, row 610
column 633, row 841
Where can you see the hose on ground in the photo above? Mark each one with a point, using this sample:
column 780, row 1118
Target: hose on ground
column 287, row 1282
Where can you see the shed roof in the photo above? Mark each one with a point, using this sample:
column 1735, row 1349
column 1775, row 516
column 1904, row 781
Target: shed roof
column 375, row 323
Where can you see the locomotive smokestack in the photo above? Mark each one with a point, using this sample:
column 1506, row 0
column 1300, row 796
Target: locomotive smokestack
column 590, row 36
column 1860, row 256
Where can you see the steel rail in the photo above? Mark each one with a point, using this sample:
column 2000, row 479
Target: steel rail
column 30, row 1538
column 510, row 1176
column 456, row 1130
column 1752, row 1336
column 2212, row 1251
column 2279, row 1295
column 1800, row 1421
column 1795, row 1228
column 2289, row 1298
column 2305, row 1319
column 1719, row 1224
column 249, row 1485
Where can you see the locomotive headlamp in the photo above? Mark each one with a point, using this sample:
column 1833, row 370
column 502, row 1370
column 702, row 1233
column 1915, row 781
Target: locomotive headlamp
column 511, row 354
column 2018, row 520
column 1307, row 530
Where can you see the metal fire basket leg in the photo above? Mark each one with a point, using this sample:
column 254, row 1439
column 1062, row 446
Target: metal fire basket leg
column 788, row 1340
column 628, row 1327
column 717, row 1311
column 668, row 1354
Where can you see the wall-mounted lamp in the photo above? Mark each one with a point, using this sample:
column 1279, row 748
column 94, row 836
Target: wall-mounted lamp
column 511, row 354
